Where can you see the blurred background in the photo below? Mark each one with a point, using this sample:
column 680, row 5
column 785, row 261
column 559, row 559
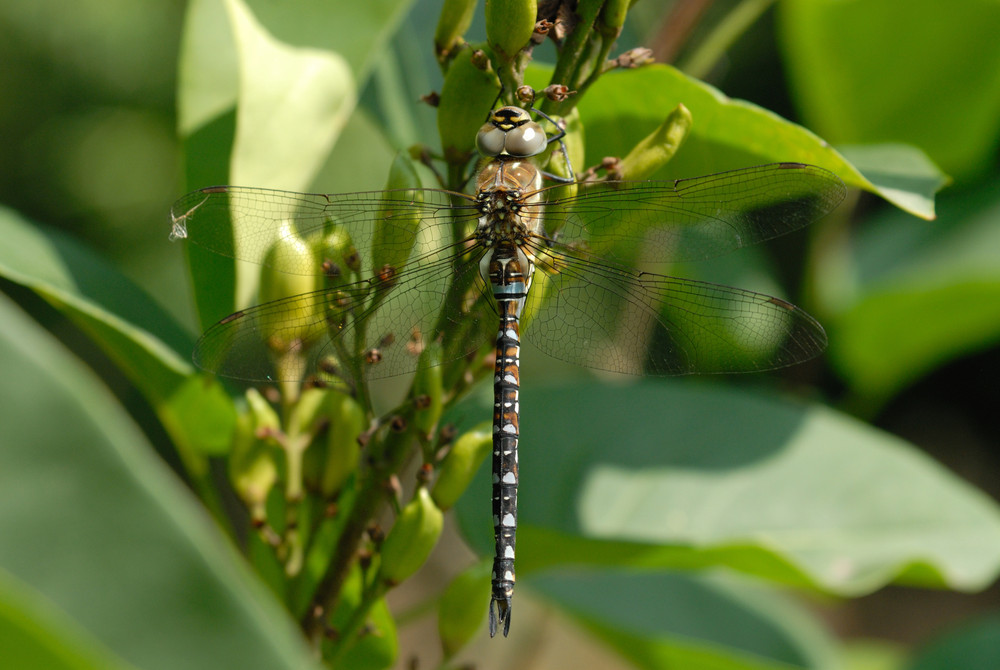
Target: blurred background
column 88, row 130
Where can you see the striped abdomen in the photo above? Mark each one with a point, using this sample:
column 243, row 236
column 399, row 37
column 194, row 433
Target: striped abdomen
column 510, row 276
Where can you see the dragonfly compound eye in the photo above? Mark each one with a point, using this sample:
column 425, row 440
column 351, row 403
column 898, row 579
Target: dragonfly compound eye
column 490, row 140
column 526, row 140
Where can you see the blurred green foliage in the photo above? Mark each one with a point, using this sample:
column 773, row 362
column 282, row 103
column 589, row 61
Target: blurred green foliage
column 657, row 517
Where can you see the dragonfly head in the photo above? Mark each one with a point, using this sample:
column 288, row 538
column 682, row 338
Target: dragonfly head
column 511, row 132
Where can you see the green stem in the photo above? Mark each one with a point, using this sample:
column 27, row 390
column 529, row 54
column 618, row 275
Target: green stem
column 722, row 37
column 369, row 597
column 574, row 52
column 373, row 492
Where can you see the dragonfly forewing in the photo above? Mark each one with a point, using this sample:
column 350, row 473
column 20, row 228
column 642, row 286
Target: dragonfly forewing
column 693, row 219
column 245, row 223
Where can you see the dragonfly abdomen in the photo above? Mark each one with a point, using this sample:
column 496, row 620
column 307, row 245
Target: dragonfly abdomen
column 510, row 282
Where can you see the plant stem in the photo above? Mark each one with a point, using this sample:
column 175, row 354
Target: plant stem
column 722, row 37
column 395, row 446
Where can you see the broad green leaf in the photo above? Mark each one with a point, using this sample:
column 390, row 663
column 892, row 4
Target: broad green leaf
column 921, row 73
column 34, row 634
column 662, row 620
column 265, row 89
column 923, row 294
column 96, row 525
column 975, row 645
column 139, row 336
column 623, row 107
column 292, row 104
column 902, row 173
column 680, row 475
column 209, row 64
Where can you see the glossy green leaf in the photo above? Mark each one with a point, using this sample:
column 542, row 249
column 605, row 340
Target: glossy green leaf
column 680, row 475
column 95, row 524
column 623, row 107
column 662, row 620
column 924, row 293
column 903, row 174
column 921, row 73
column 139, row 336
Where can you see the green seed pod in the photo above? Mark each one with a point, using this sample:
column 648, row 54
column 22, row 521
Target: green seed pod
column 466, row 97
column 611, row 18
column 347, row 420
column 253, row 468
column 337, row 256
column 655, row 150
column 289, row 269
column 456, row 16
column 429, row 383
column 306, row 413
column 397, row 224
column 411, row 539
column 309, row 409
column 574, row 141
column 264, row 416
column 461, row 464
column 461, row 611
column 509, row 25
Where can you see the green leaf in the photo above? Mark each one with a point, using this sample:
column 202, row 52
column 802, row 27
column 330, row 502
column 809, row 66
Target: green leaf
column 973, row 646
column 901, row 170
column 209, row 61
column 921, row 73
column 623, row 107
column 34, row 634
column 262, row 99
column 681, row 475
column 139, row 336
column 293, row 102
column 692, row 622
column 95, row 525
column 923, row 294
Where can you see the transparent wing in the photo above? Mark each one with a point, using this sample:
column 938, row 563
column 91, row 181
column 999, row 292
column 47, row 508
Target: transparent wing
column 245, row 223
column 692, row 219
column 377, row 327
column 600, row 315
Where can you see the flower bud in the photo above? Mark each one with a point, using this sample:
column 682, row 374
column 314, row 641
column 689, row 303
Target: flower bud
column 456, row 16
column 509, row 25
column 655, row 150
column 289, row 269
column 429, row 382
column 461, row 611
column 337, row 256
column 611, row 18
column 347, row 420
column 461, row 464
column 397, row 224
column 466, row 97
column 411, row 539
column 253, row 468
column 574, row 143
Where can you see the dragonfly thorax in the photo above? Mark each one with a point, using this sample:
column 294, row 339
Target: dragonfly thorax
column 509, row 202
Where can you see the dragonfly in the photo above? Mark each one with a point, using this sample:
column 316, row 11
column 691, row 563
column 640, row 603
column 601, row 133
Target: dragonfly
column 577, row 267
